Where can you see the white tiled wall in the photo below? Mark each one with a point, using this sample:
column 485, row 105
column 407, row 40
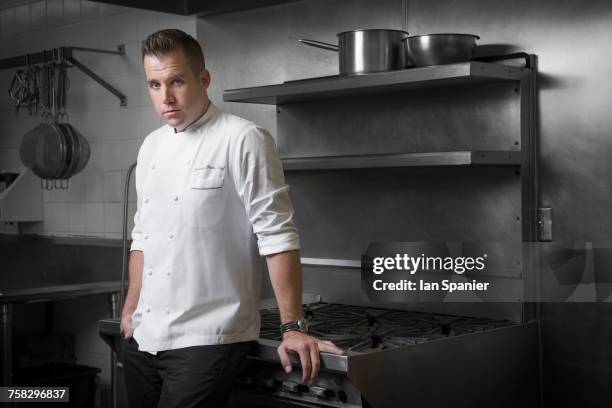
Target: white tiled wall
column 92, row 204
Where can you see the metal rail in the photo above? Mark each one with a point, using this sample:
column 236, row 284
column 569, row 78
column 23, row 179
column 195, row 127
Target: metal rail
column 65, row 55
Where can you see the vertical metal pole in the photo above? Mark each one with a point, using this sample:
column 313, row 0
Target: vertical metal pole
column 529, row 196
column 114, row 309
column 529, row 204
column 7, row 349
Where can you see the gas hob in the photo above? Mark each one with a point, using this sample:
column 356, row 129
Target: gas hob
column 364, row 329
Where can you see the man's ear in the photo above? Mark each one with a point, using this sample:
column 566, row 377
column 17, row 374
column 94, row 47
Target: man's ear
column 205, row 78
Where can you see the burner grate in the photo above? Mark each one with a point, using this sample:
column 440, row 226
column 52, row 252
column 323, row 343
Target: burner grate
column 367, row 329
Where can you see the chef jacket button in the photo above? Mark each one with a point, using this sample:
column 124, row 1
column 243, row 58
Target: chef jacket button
column 167, row 310
column 153, row 166
column 171, row 236
column 168, row 272
column 146, row 200
column 150, row 272
column 175, row 198
column 148, row 309
column 146, row 236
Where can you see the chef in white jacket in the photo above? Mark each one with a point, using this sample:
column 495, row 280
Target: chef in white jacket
column 212, row 201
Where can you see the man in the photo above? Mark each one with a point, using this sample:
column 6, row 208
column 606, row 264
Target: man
column 211, row 200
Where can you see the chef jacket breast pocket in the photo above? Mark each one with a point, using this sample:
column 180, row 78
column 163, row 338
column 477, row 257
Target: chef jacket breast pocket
column 203, row 204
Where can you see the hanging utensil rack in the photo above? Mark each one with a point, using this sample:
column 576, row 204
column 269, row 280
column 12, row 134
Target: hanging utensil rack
column 66, row 55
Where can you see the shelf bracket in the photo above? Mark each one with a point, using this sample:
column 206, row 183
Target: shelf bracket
column 120, row 51
column 65, row 54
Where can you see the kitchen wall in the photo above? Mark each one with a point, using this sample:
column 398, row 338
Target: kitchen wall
column 92, row 205
column 572, row 41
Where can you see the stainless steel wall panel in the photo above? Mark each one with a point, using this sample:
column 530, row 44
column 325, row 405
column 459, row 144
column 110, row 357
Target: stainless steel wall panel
column 572, row 41
column 340, row 212
column 458, row 118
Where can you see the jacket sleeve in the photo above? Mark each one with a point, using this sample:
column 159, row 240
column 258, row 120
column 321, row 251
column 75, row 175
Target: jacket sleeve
column 260, row 183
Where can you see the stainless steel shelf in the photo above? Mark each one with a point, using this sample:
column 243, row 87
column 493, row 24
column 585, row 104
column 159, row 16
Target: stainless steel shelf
column 457, row 158
column 342, row 86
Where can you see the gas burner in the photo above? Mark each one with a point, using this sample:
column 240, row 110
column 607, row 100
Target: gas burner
column 366, row 329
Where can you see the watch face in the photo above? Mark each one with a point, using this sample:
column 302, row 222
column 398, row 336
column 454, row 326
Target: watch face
column 303, row 325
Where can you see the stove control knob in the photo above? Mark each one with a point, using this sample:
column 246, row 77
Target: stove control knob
column 291, row 386
column 322, row 392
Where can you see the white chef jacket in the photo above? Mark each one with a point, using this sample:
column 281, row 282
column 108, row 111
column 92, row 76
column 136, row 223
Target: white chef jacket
column 211, row 200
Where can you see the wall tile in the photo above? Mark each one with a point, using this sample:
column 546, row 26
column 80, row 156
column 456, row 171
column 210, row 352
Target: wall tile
column 72, row 11
column 94, row 218
column 89, row 9
column 13, row 3
column 22, row 18
column 15, row 128
column 110, row 155
column 120, row 28
column 55, row 196
column 111, row 9
column 77, row 191
column 121, row 123
column 55, row 12
column 96, row 162
column 76, row 218
column 7, row 21
column 129, row 152
column 56, row 217
column 146, row 23
column 130, row 63
column 11, row 45
column 113, row 218
column 149, row 120
column 94, row 186
column 184, row 23
column 38, row 14
column 90, row 124
column 9, row 160
column 113, row 186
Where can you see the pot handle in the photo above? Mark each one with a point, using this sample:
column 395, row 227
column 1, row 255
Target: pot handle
column 319, row 44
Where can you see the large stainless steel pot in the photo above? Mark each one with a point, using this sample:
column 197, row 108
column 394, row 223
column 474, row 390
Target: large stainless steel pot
column 367, row 51
column 435, row 49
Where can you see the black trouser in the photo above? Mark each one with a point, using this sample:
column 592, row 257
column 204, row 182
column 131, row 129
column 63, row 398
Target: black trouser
column 199, row 376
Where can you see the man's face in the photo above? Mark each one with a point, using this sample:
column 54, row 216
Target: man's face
column 177, row 92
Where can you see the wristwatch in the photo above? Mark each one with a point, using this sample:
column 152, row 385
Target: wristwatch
column 297, row 325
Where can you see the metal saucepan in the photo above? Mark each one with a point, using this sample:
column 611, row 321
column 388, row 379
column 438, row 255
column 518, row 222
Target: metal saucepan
column 367, row 51
column 436, row 49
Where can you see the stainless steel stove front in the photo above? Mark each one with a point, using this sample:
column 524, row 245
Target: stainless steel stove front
column 433, row 360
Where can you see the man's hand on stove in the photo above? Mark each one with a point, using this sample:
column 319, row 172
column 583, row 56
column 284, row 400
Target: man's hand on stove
column 308, row 348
